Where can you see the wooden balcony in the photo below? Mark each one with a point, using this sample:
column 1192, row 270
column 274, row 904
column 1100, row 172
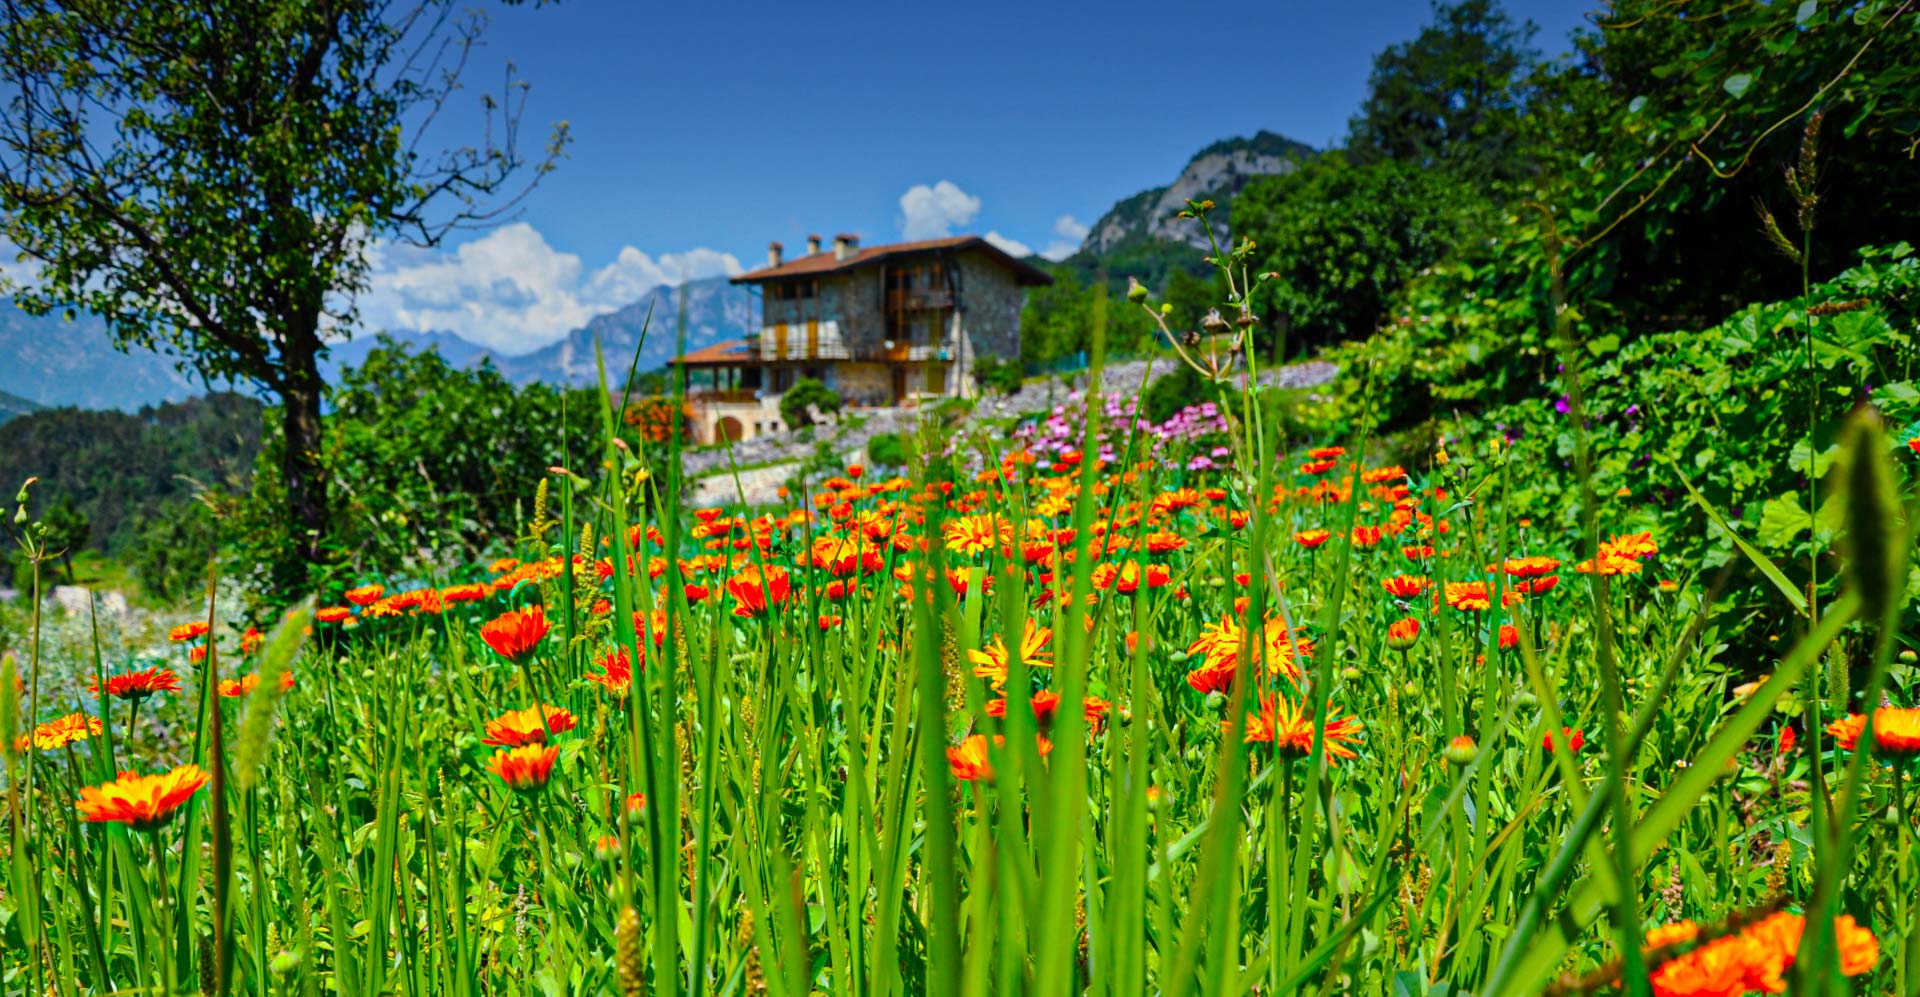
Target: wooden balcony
column 918, row 300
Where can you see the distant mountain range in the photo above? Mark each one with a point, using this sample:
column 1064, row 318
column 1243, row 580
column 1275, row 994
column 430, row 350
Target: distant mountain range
column 50, row 361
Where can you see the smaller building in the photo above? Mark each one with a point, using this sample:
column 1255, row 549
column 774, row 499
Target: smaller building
column 882, row 326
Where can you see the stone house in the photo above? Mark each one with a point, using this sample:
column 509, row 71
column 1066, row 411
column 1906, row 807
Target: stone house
column 882, row 326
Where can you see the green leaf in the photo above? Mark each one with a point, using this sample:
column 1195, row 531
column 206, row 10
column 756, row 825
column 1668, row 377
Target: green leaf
column 1808, row 8
column 1782, row 520
column 1737, row 84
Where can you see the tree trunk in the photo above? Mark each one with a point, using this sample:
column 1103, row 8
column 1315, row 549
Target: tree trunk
column 302, row 468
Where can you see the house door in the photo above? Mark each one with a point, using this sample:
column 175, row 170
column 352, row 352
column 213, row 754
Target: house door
column 899, row 384
column 813, row 339
column 727, row 430
column 780, row 341
column 936, row 379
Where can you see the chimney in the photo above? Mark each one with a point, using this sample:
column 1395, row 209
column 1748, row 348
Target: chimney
column 773, row 254
column 813, row 245
column 845, row 247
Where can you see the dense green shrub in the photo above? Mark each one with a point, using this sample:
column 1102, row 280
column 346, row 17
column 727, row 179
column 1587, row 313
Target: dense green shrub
column 890, row 450
column 804, row 392
column 1180, row 387
column 994, row 374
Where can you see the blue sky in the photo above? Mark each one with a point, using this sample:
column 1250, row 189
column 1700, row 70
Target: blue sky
column 704, row 130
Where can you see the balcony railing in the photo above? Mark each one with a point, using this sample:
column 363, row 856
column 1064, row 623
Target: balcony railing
column 919, row 300
column 731, row 396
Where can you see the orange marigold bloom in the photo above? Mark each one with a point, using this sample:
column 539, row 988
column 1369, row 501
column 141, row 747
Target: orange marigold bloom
column 1046, row 703
column 1164, row 542
column 56, row 734
column 1535, row 586
column 142, row 802
column 516, row 633
column 616, row 672
column 1318, row 467
column 1530, row 567
column 1469, row 596
column 969, row 762
column 365, row 595
column 1312, row 538
column 1367, row 537
column 1573, row 738
column 1219, row 647
column 529, row 726
column 1609, row 564
column 235, row 688
column 332, row 614
column 1417, row 552
column 1755, row 958
column 990, row 662
column 1896, row 731
column 1402, row 633
column 524, row 769
column 1290, row 729
column 136, row 686
column 1404, row 586
column 188, row 631
column 977, row 533
column 251, row 641
column 1327, row 453
column 755, row 590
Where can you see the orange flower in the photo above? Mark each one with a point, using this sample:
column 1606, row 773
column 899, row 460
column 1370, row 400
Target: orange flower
column 56, row 734
column 1219, row 647
column 756, row 590
column 235, row 688
column 969, row 762
column 1311, row 538
column 365, row 595
column 333, row 614
column 616, row 672
column 136, row 686
column 1046, row 703
column 1896, row 731
column 1530, row 567
column 525, row 769
column 990, row 662
column 188, row 631
column 1327, row 453
column 529, row 726
column 251, row 640
column 1286, row 725
column 1318, row 467
column 1755, row 958
column 1468, row 596
column 1402, row 633
column 977, row 534
column 516, row 633
column 142, row 802
column 1404, row 586
column 1367, row 537
column 1574, row 739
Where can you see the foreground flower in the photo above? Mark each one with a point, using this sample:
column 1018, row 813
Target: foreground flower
column 1469, row 596
column 1218, row 647
column 529, row 726
column 756, row 590
column 1403, row 633
column 1896, row 731
column 142, row 802
column 136, row 686
column 968, row 760
column 1755, row 958
column 990, row 662
column 616, row 672
column 524, row 769
column 56, row 734
column 515, row 634
column 188, row 631
column 1046, row 704
column 1287, row 726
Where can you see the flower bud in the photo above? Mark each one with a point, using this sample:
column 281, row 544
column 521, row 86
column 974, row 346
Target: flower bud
column 1461, row 751
column 1215, row 700
column 1136, row 291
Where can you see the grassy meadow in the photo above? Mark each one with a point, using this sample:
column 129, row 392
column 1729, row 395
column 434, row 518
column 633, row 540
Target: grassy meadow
column 1119, row 710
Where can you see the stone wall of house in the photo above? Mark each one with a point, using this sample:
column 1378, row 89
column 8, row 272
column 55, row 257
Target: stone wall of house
column 857, row 297
column 862, row 383
column 990, row 301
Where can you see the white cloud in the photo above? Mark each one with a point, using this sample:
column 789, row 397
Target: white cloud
column 932, row 212
column 511, row 291
column 1071, row 232
column 1012, row 247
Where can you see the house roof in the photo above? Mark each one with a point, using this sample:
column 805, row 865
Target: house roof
column 826, row 262
column 723, row 354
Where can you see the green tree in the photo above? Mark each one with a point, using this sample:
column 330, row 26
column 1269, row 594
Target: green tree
column 209, row 177
column 1340, row 240
column 1451, row 98
column 804, row 392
